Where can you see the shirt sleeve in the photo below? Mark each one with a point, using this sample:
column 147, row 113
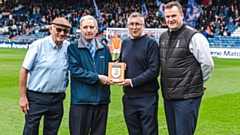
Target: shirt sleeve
column 30, row 57
column 131, row 83
column 199, row 46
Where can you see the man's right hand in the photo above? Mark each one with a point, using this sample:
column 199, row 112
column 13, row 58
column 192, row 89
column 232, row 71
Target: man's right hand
column 105, row 80
column 24, row 105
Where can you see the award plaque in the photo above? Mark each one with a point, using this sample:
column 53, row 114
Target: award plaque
column 116, row 71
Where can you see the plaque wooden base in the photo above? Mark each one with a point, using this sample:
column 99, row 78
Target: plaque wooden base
column 116, row 71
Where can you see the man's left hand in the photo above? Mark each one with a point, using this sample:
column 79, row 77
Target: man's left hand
column 125, row 83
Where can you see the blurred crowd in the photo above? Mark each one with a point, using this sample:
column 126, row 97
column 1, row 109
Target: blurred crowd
column 34, row 17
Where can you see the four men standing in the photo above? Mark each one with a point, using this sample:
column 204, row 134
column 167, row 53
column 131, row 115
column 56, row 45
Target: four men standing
column 183, row 57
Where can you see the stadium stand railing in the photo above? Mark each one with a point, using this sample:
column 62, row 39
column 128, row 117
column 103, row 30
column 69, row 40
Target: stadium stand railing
column 236, row 33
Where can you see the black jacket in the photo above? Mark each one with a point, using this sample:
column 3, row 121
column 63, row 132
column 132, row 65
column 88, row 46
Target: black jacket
column 181, row 75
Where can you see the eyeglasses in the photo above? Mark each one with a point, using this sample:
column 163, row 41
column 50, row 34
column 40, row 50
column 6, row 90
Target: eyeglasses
column 60, row 30
column 136, row 24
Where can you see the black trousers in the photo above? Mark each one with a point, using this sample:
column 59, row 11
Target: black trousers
column 48, row 105
column 88, row 119
column 141, row 114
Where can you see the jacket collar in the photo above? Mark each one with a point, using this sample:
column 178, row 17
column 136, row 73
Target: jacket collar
column 82, row 45
column 177, row 31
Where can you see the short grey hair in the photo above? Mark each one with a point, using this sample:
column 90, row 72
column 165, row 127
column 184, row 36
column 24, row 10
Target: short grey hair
column 136, row 14
column 88, row 17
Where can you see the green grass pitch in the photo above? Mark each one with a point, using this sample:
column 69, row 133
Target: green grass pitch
column 219, row 112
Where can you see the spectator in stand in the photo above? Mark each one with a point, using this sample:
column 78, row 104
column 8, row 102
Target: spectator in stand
column 226, row 32
column 123, row 10
column 27, row 31
column 231, row 20
column 237, row 21
column 43, row 20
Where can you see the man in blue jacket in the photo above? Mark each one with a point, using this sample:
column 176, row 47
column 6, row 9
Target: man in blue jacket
column 90, row 90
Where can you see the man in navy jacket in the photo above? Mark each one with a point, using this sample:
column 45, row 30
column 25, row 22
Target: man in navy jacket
column 90, row 90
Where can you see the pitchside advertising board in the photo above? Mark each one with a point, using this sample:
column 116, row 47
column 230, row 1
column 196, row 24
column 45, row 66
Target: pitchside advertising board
column 14, row 45
column 123, row 33
column 225, row 52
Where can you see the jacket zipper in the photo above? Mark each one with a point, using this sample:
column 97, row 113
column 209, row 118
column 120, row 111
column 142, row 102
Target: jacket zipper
column 95, row 70
column 168, row 49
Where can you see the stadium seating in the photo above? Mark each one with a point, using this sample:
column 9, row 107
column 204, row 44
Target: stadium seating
column 3, row 38
column 224, row 42
column 86, row 7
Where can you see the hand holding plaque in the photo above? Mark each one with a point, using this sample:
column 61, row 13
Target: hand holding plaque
column 116, row 71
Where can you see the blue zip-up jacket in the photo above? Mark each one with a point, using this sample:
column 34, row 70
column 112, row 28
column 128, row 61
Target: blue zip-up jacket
column 86, row 87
